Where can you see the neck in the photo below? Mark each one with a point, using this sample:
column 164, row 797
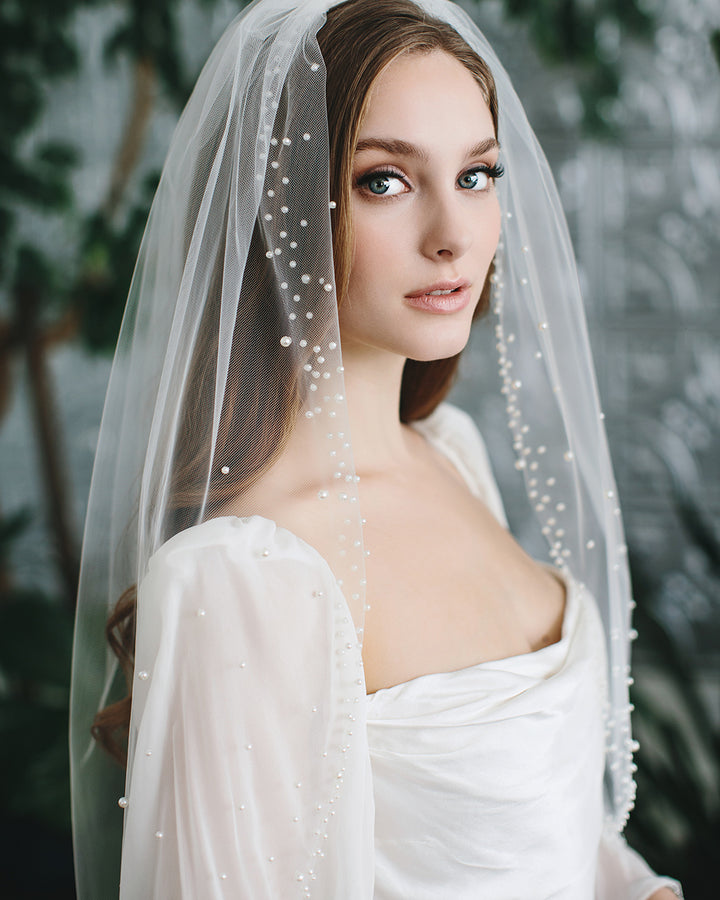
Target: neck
column 372, row 384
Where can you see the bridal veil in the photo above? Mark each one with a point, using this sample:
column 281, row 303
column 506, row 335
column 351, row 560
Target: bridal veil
column 229, row 357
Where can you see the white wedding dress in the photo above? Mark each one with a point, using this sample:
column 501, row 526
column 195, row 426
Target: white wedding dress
column 259, row 769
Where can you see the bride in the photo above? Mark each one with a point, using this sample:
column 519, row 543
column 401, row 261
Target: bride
column 347, row 679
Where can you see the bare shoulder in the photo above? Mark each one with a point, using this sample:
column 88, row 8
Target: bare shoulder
column 291, row 502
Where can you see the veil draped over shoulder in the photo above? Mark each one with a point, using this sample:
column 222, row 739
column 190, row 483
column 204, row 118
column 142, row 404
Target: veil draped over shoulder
column 247, row 685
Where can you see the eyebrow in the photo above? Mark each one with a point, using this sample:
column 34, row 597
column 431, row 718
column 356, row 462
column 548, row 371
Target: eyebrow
column 403, row 148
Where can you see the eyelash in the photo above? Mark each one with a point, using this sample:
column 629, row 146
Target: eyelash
column 492, row 172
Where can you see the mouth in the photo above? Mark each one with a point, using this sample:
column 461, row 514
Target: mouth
column 443, row 297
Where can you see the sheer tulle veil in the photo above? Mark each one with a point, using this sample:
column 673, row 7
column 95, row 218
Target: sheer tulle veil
column 230, row 356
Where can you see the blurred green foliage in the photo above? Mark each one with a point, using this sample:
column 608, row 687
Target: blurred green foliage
column 586, row 37
column 35, row 649
column 676, row 825
column 715, row 44
column 82, row 295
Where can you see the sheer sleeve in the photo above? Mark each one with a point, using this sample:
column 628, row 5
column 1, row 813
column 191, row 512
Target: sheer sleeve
column 249, row 773
column 622, row 874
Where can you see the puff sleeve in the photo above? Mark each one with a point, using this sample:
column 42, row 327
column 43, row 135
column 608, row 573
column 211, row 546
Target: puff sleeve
column 248, row 772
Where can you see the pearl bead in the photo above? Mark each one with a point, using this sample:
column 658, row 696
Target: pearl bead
column 285, row 341
column 123, row 802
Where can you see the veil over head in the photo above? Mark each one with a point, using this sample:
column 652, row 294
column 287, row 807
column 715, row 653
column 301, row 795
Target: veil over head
column 229, row 369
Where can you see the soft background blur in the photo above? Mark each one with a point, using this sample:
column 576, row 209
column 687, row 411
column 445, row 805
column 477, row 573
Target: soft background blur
column 625, row 97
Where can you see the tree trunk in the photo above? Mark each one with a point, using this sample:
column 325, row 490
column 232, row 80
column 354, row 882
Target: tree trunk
column 48, row 438
column 134, row 133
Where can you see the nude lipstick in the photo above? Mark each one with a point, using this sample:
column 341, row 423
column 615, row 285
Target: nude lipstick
column 442, row 298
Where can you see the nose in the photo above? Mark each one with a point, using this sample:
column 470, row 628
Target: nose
column 446, row 228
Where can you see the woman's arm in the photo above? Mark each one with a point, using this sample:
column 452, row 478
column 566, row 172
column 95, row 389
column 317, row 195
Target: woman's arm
column 622, row 874
column 247, row 777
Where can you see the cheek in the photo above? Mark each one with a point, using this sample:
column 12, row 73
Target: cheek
column 492, row 225
column 375, row 249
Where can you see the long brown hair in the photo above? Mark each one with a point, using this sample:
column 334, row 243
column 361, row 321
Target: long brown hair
column 358, row 40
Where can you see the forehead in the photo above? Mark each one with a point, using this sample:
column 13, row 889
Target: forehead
column 427, row 95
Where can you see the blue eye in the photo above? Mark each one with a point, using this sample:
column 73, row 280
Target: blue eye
column 382, row 184
column 479, row 179
column 474, row 181
column 379, row 185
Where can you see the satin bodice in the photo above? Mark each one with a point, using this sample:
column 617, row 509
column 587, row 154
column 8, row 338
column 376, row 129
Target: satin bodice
column 489, row 779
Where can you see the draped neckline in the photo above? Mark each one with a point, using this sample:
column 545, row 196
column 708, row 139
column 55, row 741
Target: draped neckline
column 531, row 662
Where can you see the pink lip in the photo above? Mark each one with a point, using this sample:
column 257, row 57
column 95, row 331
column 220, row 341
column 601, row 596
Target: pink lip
column 442, row 304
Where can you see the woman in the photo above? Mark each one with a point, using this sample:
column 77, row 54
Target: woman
column 427, row 720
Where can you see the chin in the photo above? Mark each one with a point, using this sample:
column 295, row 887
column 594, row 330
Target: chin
column 424, row 340
column 437, row 347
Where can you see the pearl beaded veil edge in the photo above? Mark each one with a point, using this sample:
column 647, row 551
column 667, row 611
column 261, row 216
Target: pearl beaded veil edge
column 236, row 265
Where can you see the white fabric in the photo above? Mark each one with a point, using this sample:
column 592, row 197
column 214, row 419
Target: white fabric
column 229, row 363
column 488, row 780
column 242, row 651
column 244, row 644
column 623, row 873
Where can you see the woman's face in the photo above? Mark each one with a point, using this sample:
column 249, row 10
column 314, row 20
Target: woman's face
column 425, row 214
